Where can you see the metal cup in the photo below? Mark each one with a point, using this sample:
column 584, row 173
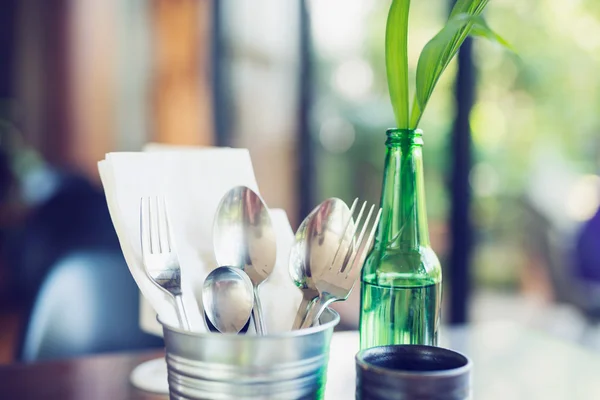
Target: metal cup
column 402, row 372
column 213, row 366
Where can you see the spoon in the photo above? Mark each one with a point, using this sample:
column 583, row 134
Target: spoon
column 300, row 271
column 316, row 243
column 337, row 281
column 227, row 296
column 244, row 238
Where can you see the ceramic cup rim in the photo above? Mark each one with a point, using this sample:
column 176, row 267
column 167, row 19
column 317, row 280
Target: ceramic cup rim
column 399, row 373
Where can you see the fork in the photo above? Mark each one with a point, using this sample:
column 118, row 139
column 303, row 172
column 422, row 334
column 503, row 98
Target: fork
column 158, row 254
column 337, row 281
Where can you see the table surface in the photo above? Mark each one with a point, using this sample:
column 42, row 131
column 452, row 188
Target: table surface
column 510, row 362
column 90, row 378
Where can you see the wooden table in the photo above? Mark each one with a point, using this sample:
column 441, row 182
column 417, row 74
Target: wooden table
column 510, row 362
column 92, row 378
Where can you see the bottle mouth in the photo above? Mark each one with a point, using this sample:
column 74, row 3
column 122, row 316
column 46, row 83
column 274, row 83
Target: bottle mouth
column 404, row 136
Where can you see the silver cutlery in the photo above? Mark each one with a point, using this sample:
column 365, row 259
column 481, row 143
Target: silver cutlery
column 337, row 281
column 314, row 248
column 158, row 252
column 244, row 238
column 228, row 299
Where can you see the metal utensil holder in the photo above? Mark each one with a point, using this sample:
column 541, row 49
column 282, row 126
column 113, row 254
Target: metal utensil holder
column 286, row 366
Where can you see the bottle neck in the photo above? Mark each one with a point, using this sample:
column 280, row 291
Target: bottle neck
column 404, row 217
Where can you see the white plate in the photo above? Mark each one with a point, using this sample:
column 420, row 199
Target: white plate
column 151, row 376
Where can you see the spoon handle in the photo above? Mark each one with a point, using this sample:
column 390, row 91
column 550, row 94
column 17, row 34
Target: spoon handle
column 316, row 309
column 302, row 312
column 259, row 323
column 181, row 315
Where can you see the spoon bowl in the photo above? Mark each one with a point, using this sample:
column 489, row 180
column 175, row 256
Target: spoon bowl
column 244, row 238
column 314, row 249
column 227, row 296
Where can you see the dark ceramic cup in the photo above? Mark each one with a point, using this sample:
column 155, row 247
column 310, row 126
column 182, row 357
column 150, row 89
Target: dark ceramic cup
column 402, row 372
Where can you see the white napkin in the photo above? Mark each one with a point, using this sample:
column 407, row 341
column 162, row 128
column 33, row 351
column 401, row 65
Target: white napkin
column 193, row 180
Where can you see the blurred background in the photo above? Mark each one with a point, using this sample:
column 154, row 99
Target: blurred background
column 512, row 143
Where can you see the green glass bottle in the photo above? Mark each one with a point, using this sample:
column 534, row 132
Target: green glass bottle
column 402, row 277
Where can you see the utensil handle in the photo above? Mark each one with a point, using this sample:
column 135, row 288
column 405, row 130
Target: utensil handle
column 317, row 308
column 302, row 312
column 259, row 323
column 181, row 315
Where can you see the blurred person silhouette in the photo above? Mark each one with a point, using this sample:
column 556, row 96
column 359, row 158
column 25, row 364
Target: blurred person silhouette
column 53, row 212
column 587, row 244
column 64, row 261
column 587, row 251
column 6, row 216
column 586, row 260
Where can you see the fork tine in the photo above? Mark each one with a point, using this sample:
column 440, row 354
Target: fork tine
column 352, row 244
column 360, row 245
column 154, row 225
column 369, row 242
column 366, row 224
column 361, row 235
column 360, row 259
column 163, row 225
column 342, row 239
column 145, row 241
column 168, row 226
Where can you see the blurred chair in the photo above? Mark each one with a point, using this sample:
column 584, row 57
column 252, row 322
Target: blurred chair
column 87, row 304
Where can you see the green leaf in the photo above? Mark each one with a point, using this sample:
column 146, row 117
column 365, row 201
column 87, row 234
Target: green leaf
column 481, row 29
column 440, row 50
column 469, row 7
column 416, row 113
column 434, row 59
column 396, row 59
